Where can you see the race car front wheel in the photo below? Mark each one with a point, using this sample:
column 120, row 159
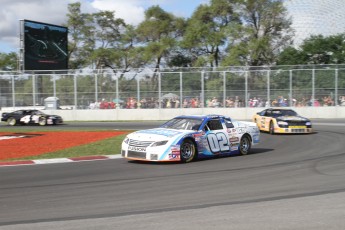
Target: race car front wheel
column 188, row 151
column 11, row 121
column 245, row 145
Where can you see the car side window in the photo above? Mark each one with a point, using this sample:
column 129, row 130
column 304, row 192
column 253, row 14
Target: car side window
column 214, row 125
column 228, row 123
column 269, row 113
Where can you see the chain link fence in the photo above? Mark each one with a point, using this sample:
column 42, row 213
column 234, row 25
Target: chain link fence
column 180, row 88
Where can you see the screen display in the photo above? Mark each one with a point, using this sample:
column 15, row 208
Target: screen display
column 45, row 46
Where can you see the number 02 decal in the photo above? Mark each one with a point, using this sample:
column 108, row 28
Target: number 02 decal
column 218, row 142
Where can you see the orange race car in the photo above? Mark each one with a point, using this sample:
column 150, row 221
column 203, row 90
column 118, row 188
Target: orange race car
column 282, row 120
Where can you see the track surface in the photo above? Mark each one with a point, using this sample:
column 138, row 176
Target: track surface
column 288, row 182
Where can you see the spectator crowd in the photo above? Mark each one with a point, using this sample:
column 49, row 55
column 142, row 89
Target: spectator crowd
column 214, row 102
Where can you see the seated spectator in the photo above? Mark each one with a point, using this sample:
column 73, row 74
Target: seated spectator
column 342, row 100
column 275, row 103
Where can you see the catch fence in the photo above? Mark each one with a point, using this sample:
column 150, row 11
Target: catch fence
column 193, row 88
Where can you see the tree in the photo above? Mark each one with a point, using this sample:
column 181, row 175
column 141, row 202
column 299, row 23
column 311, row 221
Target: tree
column 158, row 34
column 8, row 62
column 106, row 38
column 80, row 33
column 264, row 32
column 316, row 49
column 206, row 35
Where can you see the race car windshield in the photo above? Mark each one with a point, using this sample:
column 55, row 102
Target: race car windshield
column 183, row 123
column 278, row 113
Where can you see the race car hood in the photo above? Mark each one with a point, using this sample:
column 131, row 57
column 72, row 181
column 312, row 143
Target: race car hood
column 245, row 123
column 292, row 118
column 158, row 134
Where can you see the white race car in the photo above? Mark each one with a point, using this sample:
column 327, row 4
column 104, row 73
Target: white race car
column 186, row 138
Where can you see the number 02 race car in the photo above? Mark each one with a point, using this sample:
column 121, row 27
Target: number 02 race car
column 186, row 138
column 30, row 116
column 282, row 120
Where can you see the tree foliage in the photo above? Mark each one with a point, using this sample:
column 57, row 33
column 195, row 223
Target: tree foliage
column 8, row 62
column 221, row 33
column 264, row 32
column 206, row 35
column 316, row 49
column 158, row 34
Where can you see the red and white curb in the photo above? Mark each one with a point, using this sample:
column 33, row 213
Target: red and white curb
column 59, row 160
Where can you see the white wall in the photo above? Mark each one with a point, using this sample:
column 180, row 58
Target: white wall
column 166, row 114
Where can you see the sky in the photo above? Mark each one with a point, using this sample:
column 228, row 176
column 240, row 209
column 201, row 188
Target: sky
column 310, row 16
column 54, row 12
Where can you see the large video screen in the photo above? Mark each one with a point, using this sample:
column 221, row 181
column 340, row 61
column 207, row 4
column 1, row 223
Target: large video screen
column 45, row 46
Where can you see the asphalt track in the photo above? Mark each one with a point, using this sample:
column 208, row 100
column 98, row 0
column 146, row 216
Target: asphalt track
column 288, row 182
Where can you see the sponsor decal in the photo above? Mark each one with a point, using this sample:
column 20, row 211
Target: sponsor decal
column 174, row 156
column 175, row 152
column 197, row 134
column 241, row 130
column 137, row 149
column 234, row 148
column 234, row 139
column 175, row 148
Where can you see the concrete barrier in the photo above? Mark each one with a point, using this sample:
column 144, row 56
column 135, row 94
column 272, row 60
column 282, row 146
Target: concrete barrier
column 166, row 114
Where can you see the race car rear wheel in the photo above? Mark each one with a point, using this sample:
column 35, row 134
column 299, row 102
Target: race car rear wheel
column 271, row 128
column 11, row 121
column 42, row 121
column 187, row 151
column 245, row 145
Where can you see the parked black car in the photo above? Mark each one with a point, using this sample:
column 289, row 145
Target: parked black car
column 30, row 116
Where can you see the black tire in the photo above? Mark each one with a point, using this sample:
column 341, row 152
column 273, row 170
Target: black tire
column 42, row 121
column 187, row 151
column 271, row 128
column 245, row 145
column 11, row 121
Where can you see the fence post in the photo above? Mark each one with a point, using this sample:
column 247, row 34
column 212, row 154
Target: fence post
column 224, row 89
column 117, row 90
column 13, row 93
column 336, row 88
column 246, row 89
column 138, row 89
column 34, row 90
column 96, row 88
column 202, row 96
column 313, row 88
column 54, row 84
column 268, row 86
column 159, row 91
column 75, row 92
column 290, row 86
column 181, row 90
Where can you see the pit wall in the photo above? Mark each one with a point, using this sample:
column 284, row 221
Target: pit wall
column 166, row 114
